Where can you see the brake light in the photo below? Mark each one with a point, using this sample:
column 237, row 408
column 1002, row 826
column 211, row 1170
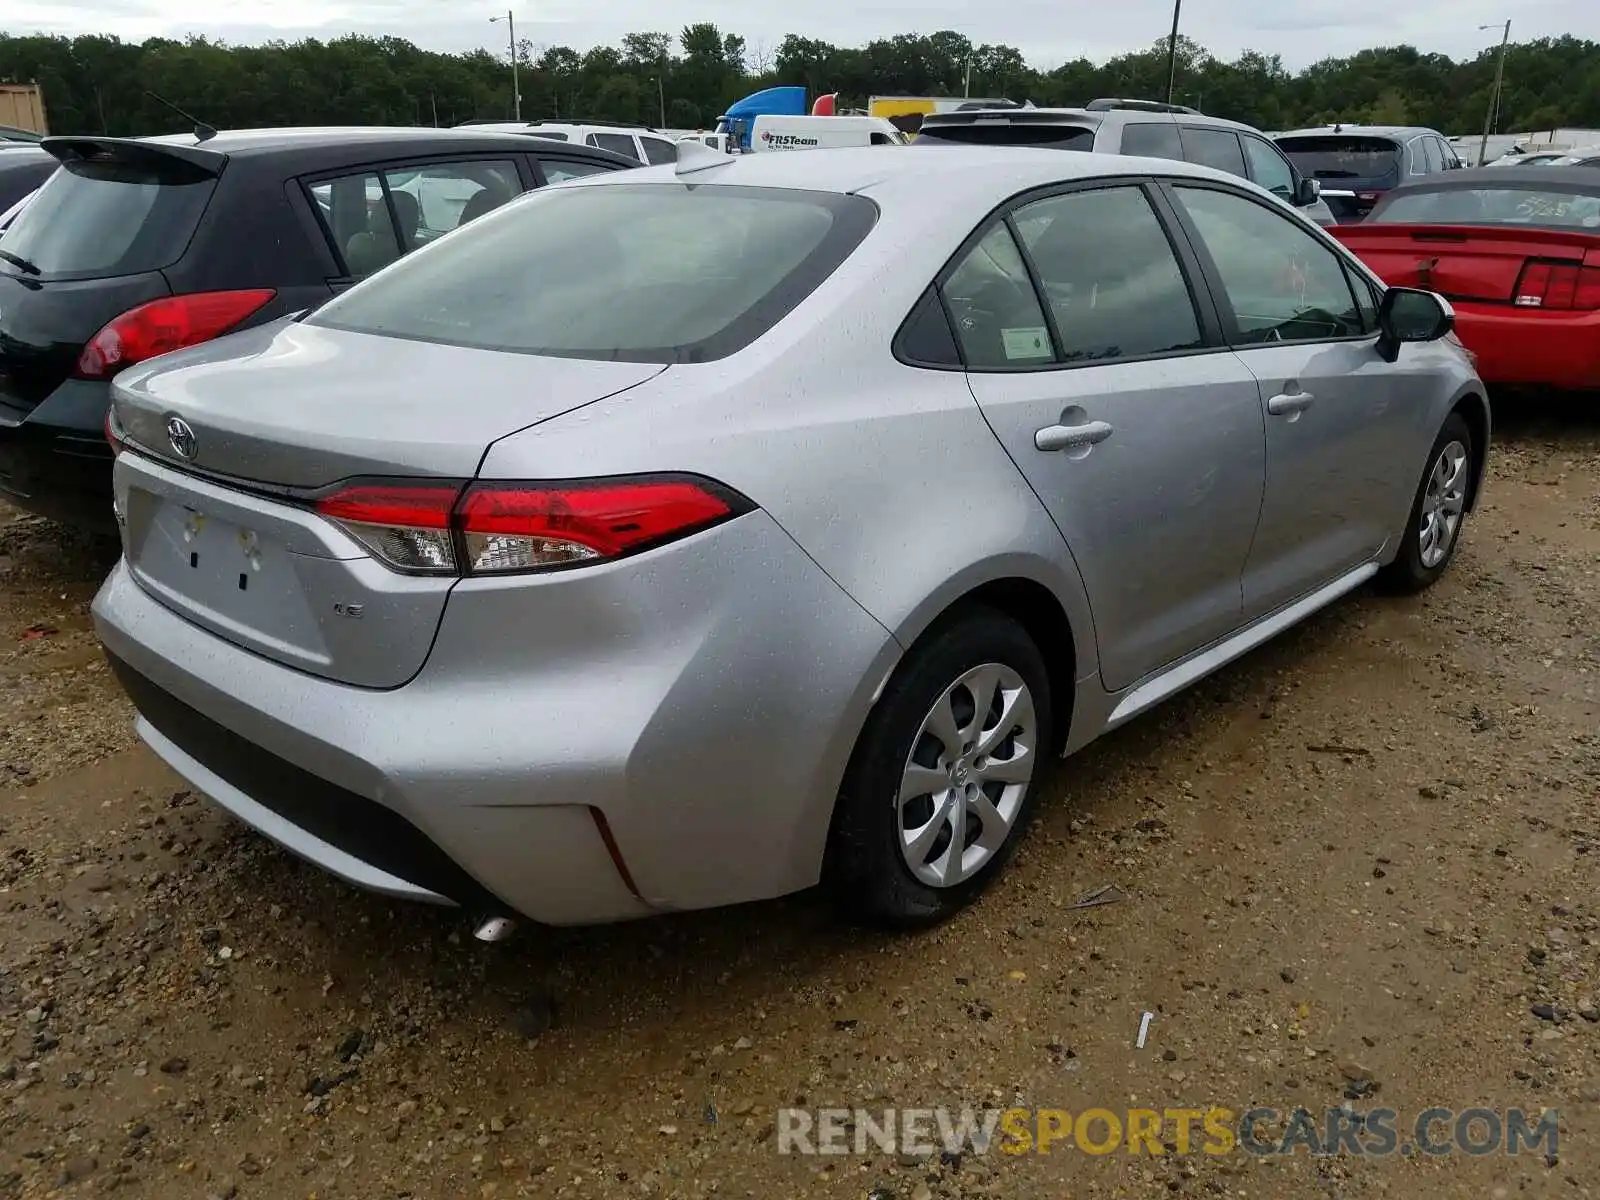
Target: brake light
column 1562, row 286
column 405, row 525
column 164, row 325
column 500, row 528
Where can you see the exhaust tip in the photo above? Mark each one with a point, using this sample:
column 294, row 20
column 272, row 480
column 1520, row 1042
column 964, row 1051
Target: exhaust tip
column 495, row 929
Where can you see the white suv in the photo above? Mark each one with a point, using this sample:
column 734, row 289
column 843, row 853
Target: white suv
column 637, row 142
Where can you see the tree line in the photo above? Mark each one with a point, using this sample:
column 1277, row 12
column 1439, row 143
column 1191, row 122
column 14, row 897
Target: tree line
column 97, row 84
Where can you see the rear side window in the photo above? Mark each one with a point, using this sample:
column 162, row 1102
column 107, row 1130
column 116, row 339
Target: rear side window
column 1006, row 133
column 633, row 273
column 1217, row 148
column 372, row 219
column 999, row 322
column 658, row 150
column 550, row 136
column 559, row 170
column 617, row 143
column 104, row 217
column 1113, row 283
column 1152, row 139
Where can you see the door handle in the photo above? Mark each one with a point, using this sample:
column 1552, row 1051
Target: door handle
column 1071, row 437
column 1290, row 403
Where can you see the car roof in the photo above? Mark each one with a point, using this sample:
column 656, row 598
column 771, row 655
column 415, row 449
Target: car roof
column 1021, row 116
column 964, row 171
column 269, row 141
column 1397, row 132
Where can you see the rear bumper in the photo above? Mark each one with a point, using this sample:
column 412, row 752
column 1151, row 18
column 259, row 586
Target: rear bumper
column 708, row 731
column 55, row 461
column 1528, row 347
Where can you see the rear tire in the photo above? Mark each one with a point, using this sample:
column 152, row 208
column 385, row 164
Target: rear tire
column 1438, row 513
column 929, row 768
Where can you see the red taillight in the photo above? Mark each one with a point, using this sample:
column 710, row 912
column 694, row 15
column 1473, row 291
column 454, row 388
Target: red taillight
column 1564, row 286
column 161, row 326
column 495, row 528
column 406, row 525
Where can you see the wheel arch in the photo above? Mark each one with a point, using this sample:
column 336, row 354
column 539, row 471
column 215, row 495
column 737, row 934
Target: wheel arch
column 1040, row 609
column 1473, row 408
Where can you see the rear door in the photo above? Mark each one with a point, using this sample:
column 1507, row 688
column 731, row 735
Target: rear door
column 1340, row 433
column 1140, row 435
column 91, row 245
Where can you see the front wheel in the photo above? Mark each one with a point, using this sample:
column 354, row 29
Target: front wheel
column 941, row 782
column 1437, row 514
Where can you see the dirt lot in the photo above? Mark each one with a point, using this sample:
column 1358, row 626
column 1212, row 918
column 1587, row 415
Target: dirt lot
column 1354, row 865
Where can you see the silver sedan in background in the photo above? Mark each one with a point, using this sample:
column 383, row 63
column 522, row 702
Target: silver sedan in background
column 691, row 535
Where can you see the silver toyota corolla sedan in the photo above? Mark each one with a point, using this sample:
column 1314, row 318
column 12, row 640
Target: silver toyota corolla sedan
column 689, row 536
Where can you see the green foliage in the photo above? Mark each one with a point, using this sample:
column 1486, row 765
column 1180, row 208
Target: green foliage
column 98, row 84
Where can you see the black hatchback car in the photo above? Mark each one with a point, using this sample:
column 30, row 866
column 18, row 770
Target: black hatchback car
column 138, row 246
column 1357, row 164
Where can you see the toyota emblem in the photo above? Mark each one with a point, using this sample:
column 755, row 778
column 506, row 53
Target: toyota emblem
column 182, row 438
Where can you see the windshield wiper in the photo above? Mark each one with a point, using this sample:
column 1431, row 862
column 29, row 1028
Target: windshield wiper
column 20, row 263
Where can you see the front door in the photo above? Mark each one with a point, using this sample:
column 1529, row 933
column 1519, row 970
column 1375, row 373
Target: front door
column 1142, row 439
column 1337, row 420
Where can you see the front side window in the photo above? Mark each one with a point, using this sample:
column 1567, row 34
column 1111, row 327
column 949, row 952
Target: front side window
column 1152, row 139
column 1109, row 273
column 632, row 273
column 998, row 320
column 617, row 143
column 1282, row 283
column 1268, row 168
column 1217, row 148
column 433, row 200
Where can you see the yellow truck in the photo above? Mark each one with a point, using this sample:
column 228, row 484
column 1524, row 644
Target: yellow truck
column 907, row 111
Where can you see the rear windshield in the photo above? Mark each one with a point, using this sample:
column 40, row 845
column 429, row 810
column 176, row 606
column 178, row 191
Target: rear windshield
column 100, row 218
column 1342, row 157
column 1008, row 133
column 636, row 273
column 1490, row 206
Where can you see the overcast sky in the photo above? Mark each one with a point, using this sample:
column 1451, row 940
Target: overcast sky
column 1048, row 33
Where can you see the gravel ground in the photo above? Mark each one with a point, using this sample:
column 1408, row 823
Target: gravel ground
column 1360, row 863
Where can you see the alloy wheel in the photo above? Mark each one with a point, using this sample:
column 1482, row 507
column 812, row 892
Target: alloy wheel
column 1443, row 504
column 967, row 774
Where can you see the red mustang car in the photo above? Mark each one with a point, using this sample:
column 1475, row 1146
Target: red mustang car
column 1516, row 250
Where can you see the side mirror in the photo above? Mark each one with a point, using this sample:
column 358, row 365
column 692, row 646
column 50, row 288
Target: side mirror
column 1411, row 315
column 1307, row 191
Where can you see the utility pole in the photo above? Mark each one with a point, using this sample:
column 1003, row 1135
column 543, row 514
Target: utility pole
column 661, row 97
column 1494, row 96
column 516, row 88
column 966, row 87
column 1172, row 51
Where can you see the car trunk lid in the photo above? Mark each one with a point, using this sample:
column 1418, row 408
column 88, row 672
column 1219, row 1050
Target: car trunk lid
column 218, row 520
column 1486, row 263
